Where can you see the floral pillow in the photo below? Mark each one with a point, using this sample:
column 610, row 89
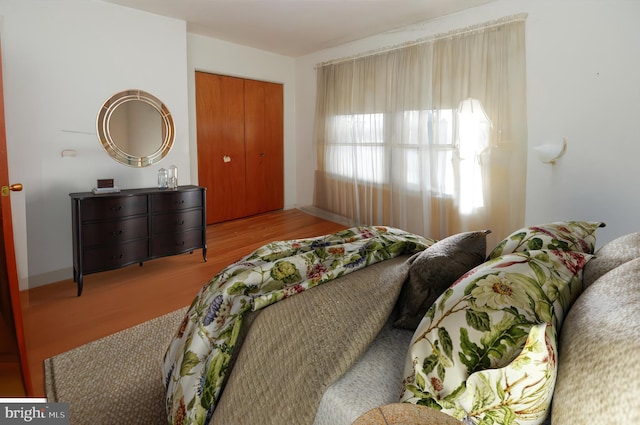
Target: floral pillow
column 434, row 270
column 522, row 390
column 483, row 320
column 563, row 235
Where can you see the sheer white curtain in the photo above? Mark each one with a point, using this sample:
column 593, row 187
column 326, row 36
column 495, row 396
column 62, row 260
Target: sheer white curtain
column 431, row 137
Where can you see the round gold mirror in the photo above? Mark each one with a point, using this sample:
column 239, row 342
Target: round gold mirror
column 135, row 128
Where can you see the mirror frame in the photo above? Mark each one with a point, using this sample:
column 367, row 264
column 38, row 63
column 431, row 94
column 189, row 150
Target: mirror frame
column 103, row 122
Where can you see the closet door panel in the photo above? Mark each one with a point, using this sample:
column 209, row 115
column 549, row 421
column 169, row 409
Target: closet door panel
column 221, row 146
column 264, row 141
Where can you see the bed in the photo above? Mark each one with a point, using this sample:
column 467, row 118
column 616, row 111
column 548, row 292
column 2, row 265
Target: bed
column 331, row 344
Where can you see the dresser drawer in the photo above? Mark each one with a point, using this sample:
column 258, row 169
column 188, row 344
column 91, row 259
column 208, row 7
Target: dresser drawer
column 171, row 201
column 100, row 208
column 176, row 222
column 114, row 256
column 167, row 244
column 118, row 231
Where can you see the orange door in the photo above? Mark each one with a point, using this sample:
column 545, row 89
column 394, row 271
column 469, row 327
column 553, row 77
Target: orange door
column 220, row 134
column 240, row 145
column 264, row 146
column 9, row 287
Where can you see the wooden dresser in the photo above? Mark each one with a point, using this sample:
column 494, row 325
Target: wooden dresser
column 132, row 226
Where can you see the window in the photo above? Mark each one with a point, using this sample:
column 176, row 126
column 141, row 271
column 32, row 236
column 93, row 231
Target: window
column 356, row 148
column 394, row 146
column 428, row 139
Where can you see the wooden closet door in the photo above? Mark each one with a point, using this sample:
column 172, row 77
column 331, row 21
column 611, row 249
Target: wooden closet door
column 13, row 345
column 221, row 146
column 264, row 139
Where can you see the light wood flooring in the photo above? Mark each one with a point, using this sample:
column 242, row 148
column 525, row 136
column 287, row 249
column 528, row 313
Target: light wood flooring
column 56, row 320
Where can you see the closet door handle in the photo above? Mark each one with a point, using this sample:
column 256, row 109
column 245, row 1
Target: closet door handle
column 16, row 187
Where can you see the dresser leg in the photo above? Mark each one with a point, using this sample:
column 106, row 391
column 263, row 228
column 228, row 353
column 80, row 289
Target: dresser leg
column 79, row 284
column 204, row 253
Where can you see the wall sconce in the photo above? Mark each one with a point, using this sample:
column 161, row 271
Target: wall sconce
column 549, row 153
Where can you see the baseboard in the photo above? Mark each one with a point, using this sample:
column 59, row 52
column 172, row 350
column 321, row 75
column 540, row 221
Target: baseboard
column 50, row 277
column 319, row 212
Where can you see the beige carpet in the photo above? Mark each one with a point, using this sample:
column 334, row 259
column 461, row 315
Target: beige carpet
column 116, row 379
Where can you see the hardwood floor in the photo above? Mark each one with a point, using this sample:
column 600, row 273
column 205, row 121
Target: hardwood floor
column 56, row 320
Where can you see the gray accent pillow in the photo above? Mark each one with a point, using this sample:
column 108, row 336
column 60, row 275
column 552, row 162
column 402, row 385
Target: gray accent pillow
column 613, row 254
column 434, row 270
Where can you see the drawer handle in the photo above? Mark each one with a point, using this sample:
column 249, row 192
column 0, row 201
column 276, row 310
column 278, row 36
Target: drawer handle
column 180, row 202
column 116, row 234
column 180, row 243
column 116, row 257
column 118, row 208
column 179, row 223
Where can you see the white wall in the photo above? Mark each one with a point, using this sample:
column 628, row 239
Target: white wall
column 582, row 63
column 582, row 80
column 61, row 60
column 220, row 57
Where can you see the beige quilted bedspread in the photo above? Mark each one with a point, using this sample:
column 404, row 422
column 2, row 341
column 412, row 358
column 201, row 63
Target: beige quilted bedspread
column 293, row 350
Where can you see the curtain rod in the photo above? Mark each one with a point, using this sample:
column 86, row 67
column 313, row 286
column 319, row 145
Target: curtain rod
column 453, row 33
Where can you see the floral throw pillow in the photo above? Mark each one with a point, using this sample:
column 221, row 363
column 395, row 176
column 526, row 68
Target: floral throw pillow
column 562, row 235
column 483, row 320
column 521, row 390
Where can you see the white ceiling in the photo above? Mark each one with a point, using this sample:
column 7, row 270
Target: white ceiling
column 297, row 27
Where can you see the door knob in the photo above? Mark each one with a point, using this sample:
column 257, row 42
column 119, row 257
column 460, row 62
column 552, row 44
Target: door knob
column 13, row 188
